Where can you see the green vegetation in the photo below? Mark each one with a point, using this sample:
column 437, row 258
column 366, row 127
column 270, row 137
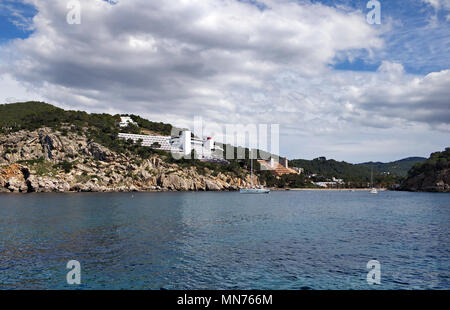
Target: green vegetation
column 83, row 178
column 398, row 168
column 64, row 165
column 32, row 162
column 437, row 161
column 101, row 128
column 234, row 167
column 41, row 166
column 285, row 181
column 156, row 145
column 354, row 175
column 13, row 115
column 45, row 169
column 332, row 168
column 163, row 129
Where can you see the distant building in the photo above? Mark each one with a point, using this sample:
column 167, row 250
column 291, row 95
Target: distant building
column 339, row 181
column 183, row 144
column 125, row 121
column 163, row 141
column 299, row 170
column 277, row 168
column 325, row 184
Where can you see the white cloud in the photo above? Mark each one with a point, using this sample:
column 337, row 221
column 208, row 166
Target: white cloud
column 13, row 91
column 225, row 60
column 439, row 4
column 156, row 54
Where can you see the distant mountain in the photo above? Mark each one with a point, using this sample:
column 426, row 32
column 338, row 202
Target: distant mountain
column 329, row 168
column 430, row 176
column 385, row 174
column 398, row 167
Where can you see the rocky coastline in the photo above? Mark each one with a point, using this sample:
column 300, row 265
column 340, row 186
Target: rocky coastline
column 45, row 160
column 435, row 181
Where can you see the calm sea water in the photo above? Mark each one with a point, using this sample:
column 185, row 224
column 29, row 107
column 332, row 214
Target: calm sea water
column 284, row 240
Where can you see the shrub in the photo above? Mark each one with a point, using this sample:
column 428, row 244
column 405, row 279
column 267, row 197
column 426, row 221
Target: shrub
column 64, row 165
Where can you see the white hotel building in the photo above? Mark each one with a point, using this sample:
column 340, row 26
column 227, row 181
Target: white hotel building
column 125, row 121
column 183, row 144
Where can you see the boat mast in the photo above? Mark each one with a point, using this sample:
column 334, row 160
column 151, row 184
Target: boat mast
column 371, row 178
column 251, row 166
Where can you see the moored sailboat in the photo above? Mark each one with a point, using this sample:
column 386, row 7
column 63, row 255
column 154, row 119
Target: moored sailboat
column 373, row 190
column 253, row 189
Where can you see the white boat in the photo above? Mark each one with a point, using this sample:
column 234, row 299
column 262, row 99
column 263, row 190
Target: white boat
column 253, row 189
column 373, row 190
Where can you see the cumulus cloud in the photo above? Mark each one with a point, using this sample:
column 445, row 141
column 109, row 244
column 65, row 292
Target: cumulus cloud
column 392, row 97
column 13, row 91
column 225, row 60
column 171, row 56
column 439, row 4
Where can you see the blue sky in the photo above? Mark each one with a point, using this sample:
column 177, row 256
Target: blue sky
column 412, row 40
column 337, row 86
column 14, row 18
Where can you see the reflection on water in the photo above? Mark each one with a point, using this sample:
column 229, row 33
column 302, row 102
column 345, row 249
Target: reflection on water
column 285, row 240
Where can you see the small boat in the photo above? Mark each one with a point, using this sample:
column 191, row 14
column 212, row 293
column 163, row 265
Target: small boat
column 373, row 190
column 253, row 189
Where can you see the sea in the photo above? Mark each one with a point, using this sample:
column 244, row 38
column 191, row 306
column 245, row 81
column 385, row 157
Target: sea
column 294, row 240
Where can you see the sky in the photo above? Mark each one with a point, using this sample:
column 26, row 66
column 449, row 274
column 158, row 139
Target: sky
column 338, row 86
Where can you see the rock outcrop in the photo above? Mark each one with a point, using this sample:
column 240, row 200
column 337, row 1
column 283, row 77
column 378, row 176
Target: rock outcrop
column 13, row 178
column 433, row 181
column 100, row 152
column 49, row 161
column 430, row 176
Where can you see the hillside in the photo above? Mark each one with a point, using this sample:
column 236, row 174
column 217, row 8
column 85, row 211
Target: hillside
column 358, row 175
column 329, row 168
column 51, row 145
column 431, row 175
column 398, row 167
column 18, row 114
column 44, row 148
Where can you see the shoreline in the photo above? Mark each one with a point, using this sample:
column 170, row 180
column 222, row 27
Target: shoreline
column 217, row 191
column 334, row 189
column 193, row 191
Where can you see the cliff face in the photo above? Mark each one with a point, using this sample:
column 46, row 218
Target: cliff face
column 433, row 181
column 430, row 176
column 49, row 161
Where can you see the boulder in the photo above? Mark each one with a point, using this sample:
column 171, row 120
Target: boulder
column 16, row 185
column 100, row 152
column 211, row 186
column 173, row 182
